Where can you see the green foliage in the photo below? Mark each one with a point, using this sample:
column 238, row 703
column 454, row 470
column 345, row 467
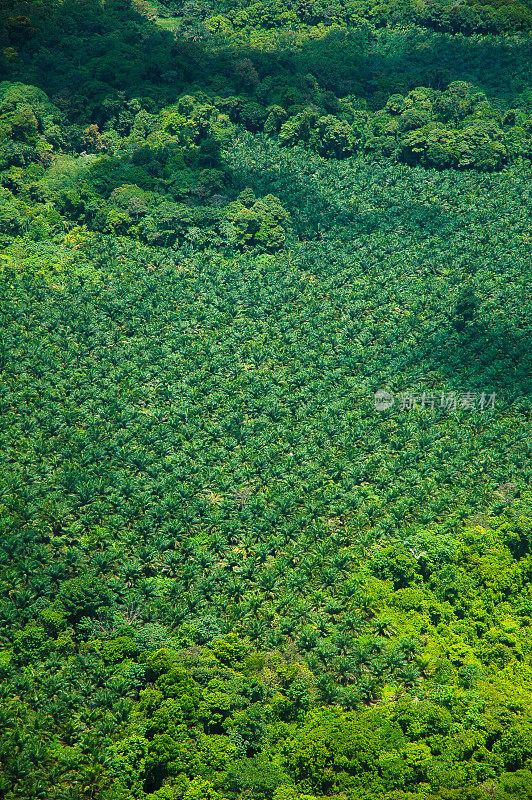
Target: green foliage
column 253, row 222
column 225, row 573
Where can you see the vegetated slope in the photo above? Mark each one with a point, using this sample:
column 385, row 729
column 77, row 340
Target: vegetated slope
column 83, row 53
column 225, row 573
column 192, row 459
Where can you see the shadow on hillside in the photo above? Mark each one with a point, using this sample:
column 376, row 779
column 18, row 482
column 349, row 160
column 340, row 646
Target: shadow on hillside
column 81, row 52
column 484, row 358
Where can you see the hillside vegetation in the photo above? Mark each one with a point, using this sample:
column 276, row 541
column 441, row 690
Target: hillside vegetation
column 227, row 573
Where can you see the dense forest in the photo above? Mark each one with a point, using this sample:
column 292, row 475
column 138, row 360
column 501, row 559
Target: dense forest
column 265, row 383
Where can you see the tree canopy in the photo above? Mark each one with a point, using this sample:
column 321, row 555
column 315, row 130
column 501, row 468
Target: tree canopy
column 265, row 379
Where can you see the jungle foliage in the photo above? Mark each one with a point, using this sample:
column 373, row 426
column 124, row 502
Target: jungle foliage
column 225, row 574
